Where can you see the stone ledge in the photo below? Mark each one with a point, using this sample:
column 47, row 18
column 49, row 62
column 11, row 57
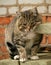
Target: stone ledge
column 35, row 62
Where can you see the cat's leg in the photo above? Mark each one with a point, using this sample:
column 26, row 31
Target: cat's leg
column 34, row 51
column 22, row 53
column 13, row 51
column 28, row 52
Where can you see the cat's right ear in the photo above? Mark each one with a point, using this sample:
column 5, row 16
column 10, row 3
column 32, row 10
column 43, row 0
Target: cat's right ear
column 35, row 11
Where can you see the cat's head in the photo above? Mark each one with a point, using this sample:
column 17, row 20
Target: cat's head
column 28, row 13
column 29, row 19
column 13, row 51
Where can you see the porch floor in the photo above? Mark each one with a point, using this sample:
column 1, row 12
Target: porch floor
column 45, row 59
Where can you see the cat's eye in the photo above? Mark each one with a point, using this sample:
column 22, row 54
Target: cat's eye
column 24, row 24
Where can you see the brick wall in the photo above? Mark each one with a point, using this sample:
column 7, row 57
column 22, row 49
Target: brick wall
column 10, row 7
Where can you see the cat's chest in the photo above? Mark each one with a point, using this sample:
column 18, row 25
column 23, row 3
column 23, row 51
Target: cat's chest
column 28, row 35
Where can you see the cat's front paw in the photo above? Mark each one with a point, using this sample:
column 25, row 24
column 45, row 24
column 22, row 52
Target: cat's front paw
column 23, row 59
column 34, row 57
column 16, row 57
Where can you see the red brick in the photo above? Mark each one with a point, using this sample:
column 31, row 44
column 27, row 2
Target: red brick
column 2, row 31
column 1, row 57
column 3, row 48
column 0, row 50
column 4, row 20
column 6, row 56
column 2, row 39
column 49, row 19
column 49, row 36
column 11, row 18
column 7, row 20
column 44, row 19
column 49, row 39
column 44, row 40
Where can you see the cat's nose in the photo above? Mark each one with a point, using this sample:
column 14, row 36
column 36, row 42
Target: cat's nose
column 28, row 28
column 20, row 28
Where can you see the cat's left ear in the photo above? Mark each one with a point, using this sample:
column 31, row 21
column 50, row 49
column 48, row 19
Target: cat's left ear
column 18, row 14
column 35, row 11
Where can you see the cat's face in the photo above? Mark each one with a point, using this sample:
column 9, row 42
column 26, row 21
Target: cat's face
column 29, row 19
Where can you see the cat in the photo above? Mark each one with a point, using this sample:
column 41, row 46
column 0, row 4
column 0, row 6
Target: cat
column 23, row 42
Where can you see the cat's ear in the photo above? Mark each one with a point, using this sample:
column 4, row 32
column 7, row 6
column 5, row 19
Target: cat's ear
column 18, row 14
column 35, row 11
column 25, row 13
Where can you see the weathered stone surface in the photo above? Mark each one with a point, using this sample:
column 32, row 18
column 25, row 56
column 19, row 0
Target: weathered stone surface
column 42, row 9
column 7, row 2
column 48, row 1
column 3, row 11
column 48, row 62
column 49, row 9
column 13, row 10
column 30, row 1
column 35, row 62
column 44, row 28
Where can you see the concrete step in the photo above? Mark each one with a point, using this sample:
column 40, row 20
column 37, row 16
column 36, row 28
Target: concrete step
column 32, row 62
column 45, row 59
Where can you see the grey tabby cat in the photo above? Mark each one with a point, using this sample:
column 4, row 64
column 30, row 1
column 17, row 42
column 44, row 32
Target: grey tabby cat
column 23, row 42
